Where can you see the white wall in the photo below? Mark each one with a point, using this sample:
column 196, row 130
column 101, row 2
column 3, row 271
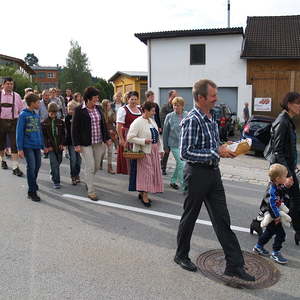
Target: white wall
column 170, row 64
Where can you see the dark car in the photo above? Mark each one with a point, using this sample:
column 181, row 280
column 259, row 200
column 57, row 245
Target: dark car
column 225, row 120
column 255, row 123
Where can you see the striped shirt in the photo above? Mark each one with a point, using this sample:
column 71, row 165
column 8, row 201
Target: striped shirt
column 199, row 138
column 95, row 126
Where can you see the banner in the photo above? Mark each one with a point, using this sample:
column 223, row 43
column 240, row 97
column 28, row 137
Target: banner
column 262, row 104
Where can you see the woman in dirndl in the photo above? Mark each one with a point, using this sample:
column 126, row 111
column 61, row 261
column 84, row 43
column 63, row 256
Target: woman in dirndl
column 125, row 116
column 145, row 173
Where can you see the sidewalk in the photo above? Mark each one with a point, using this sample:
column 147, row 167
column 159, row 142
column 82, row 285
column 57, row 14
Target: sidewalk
column 245, row 168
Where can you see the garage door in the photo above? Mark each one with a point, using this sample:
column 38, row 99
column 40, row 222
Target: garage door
column 227, row 95
column 185, row 93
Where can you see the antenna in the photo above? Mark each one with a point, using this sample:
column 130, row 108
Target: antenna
column 228, row 14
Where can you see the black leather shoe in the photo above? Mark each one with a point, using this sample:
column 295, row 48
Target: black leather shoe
column 174, row 186
column 4, row 165
column 239, row 273
column 34, row 197
column 185, row 263
column 18, row 172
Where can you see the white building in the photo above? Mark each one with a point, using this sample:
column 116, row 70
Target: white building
column 176, row 59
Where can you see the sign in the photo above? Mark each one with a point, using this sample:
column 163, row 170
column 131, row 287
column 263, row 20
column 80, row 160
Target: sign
column 262, row 104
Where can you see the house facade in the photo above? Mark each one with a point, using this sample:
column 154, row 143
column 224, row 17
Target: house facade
column 271, row 49
column 126, row 81
column 17, row 63
column 176, row 59
column 46, row 77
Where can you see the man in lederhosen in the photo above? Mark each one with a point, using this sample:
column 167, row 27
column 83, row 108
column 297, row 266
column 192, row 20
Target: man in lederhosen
column 10, row 107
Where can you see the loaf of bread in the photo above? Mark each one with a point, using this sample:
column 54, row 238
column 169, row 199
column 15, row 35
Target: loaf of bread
column 240, row 147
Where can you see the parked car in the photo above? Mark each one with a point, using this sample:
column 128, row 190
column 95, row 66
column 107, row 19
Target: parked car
column 226, row 121
column 255, row 123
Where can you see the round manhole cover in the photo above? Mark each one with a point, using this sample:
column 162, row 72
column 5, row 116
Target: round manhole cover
column 212, row 265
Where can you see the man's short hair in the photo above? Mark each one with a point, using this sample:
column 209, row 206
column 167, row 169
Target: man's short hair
column 200, row 88
column 170, row 93
column 27, row 90
column 149, row 93
column 30, row 98
column 7, row 79
column 52, row 107
column 44, row 92
column 277, row 170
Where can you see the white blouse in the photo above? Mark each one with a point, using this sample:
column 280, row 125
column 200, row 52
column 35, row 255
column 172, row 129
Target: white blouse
column 121, row 114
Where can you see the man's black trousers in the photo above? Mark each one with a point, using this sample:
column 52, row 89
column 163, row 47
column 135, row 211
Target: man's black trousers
column 204, row 184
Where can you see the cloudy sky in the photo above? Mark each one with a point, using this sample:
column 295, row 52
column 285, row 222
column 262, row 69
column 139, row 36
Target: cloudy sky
column 105, row 29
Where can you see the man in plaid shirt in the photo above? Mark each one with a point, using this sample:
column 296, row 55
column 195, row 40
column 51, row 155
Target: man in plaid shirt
column 200, row 147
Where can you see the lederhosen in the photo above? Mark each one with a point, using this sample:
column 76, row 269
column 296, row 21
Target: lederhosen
column 8, row 126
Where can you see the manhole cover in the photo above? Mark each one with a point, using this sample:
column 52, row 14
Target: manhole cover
column 212, row 265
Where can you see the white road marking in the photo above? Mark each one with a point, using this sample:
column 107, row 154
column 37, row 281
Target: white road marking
column 145, row 211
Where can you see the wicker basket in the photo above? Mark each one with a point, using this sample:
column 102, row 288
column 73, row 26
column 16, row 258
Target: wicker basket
column 133, row 155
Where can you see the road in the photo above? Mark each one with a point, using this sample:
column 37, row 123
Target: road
column 68, row 248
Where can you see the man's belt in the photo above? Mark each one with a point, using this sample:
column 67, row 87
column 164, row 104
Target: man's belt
column 7, row 105
column 208, row 163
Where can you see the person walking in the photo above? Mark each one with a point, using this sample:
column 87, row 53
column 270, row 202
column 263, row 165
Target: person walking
column 145, row 173
column 282, row 149
column 117, row 102
column 171, row 139
column 150, row 97
column 246, row 114
column 43, row 109
column 75, row 158
column 89, row 135
column 110, row 119
column 166, row 109
column 200, row 148
column 54, row 139
column 11, row 106
column 30, row 141
column 125, row 116
column 57, row 101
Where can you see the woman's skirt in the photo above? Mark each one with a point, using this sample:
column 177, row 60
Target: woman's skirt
column 145, row 173
column 122, row 163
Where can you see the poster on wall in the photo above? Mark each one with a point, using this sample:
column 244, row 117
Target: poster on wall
column 262, row 104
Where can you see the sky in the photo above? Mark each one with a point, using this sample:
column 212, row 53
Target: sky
column 105, row 29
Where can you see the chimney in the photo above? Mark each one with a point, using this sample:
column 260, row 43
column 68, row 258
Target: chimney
column 228, row 14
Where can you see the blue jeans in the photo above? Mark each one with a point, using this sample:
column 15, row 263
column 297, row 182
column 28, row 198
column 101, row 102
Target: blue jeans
column 55, row 161
column 75, row 161
column 178, row 172
column 33, row 160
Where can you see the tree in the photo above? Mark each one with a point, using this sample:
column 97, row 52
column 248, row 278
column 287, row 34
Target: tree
column 106, row 88
column 76, row 74
column 21, row 81
column 31, row 59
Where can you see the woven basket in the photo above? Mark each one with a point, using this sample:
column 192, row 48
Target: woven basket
column 133, row 155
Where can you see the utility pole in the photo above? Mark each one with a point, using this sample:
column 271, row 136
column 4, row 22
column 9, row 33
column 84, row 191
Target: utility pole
column 228, row 14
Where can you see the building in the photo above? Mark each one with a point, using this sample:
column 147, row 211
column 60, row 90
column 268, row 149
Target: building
column 176, row 59
column 126, row 81
column 46, row 77
column 272, row 51
column 17, row 63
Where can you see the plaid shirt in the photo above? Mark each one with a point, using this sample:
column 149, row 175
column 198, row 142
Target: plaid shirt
column 199, row 138
column 95, row 126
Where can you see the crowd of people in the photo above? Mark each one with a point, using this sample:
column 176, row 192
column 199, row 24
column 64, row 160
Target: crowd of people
column 86, row 128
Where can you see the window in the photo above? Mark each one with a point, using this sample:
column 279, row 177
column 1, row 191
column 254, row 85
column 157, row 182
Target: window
column 51, row 75
column 197, row 54
column 41, row 75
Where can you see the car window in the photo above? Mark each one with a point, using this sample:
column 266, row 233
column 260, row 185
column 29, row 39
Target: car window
column 255, row 125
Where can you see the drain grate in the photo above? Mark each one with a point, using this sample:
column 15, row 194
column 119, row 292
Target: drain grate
column 212, row 265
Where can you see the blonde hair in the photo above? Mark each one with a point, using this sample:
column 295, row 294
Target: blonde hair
column 116, row 94
column 178, row 100
column 76, row 95
column 277, row 170
column 107, row 113
column 72, row 105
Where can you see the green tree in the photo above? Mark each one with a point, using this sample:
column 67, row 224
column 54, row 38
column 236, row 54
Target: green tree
column 106, row 88
column 76, row 74
column 21, row 82
column 31, row 59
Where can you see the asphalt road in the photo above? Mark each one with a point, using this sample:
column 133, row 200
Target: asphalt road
column 66, row 248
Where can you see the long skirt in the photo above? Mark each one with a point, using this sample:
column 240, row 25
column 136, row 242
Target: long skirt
column 145, row 173
column 122, row 163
